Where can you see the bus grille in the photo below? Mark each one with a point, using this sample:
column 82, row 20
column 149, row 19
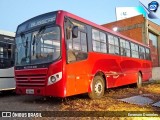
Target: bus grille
column 31, row 80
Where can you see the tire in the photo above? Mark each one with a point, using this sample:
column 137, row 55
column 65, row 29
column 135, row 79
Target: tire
column 98, row 88
column 139, row 80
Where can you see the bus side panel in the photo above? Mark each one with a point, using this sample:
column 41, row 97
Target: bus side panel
column 7, row 84
column 70, row 83
column 109, row 65
column 130, row 67
column 147, row 70
column 77, row 77
column 7, row 80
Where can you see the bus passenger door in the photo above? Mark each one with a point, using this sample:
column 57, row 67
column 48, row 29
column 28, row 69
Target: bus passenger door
column 76, row 55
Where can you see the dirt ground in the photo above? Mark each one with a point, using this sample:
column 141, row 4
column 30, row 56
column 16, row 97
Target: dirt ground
column 110, row 101
column 81, row 104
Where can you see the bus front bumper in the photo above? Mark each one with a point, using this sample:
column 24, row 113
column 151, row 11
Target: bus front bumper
column 40, row 91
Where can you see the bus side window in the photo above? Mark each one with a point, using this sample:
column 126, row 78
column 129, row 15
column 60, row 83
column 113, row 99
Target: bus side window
column 77, row 48
column 141, row 52
column 82, row 54
column 99, row 41
column 6, row 55
column 116, row 46
column 71, row 57
column 1, row 57
column 96, row 40
column 128, row 49
column 1, row 52
column 123, row 52
column 111, row 44
column 134, row 50
column 148, row 57
column 125, row 48
column 81, row 50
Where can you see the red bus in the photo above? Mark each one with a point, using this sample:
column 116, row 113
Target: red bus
column 60, row 54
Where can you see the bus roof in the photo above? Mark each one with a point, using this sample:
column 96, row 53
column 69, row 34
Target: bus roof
column 65, row 13
column 100, row 27
column 7, row 33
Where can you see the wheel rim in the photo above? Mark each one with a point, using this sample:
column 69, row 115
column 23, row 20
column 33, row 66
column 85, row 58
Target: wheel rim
column 98, row 88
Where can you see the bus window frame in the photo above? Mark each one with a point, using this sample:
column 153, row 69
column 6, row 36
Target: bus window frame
column 100, row 31
column 10, row 59
column 114, row 36
column 33, row 30
column 71, row 38
column 126, row 48
column 149, row 53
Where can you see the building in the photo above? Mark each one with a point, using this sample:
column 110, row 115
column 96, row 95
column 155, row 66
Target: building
column 142, row 30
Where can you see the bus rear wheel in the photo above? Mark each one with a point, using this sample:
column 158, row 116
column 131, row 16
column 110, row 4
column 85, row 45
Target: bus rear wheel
column 98, row 88
column 139, row 80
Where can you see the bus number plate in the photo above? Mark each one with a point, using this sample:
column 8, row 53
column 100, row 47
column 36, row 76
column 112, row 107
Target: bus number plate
column 29, row 91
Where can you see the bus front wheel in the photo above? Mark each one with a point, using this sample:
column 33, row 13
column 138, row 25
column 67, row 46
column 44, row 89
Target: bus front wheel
column 98, row 88
column 139, row 80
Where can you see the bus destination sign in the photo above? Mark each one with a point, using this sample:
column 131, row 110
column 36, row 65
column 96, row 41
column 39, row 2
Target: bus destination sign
column 37, row 21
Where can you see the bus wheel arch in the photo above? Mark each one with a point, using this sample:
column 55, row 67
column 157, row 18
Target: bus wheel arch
column 103, row 76
column 141, row 73
column 97, row 86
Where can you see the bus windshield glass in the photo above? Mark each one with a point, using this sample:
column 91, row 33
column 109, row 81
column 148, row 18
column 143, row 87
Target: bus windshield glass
column 39, row 46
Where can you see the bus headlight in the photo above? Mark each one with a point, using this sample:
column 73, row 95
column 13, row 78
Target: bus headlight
column 54, row 78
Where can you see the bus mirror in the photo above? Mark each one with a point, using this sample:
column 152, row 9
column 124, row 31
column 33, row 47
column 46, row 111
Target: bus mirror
column 75, row 32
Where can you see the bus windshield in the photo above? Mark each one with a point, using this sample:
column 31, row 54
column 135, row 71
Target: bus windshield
column 39, row 46
column 6, row 55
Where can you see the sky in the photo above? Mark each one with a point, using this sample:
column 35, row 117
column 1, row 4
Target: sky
column 14, row 12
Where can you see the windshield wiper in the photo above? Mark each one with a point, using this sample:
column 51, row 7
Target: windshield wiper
column 22, row 34
column 41, row 30
column 36, row 36
column 39, row 34
column 33, row 43
column 26, row 47
column 25, row 44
